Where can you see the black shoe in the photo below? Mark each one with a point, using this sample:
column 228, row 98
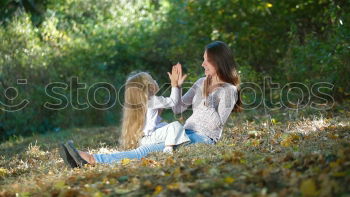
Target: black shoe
column 68, row 160
column 75, row 154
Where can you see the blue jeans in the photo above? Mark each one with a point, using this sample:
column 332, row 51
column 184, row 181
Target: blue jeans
column 198, row 138
column 143, row 151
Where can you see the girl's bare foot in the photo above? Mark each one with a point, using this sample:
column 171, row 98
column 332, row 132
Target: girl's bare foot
column 87, row 157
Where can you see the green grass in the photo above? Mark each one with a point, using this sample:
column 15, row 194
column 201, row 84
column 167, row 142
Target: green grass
column 279, row 153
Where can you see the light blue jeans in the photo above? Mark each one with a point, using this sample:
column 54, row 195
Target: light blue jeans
column 144, row 150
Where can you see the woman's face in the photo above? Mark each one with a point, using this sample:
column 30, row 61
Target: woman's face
column 209, row 68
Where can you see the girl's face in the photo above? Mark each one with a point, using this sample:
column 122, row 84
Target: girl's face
column 154, row 88
column 209, row 68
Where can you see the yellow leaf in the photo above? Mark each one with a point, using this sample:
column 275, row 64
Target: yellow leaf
column 308, row 188
column 273, row 121
column 59, row 185
column 243, row 161
column 173, row 186
column 229, row 180
column 125, row 161
column 290, row 139
column 98, row 194
column 255, row 142
column 286, row 142
column 3, row 172
column 158, row 189
column 149, row 162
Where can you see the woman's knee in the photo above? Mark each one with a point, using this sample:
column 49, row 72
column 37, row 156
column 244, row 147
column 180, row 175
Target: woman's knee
column 196, row 138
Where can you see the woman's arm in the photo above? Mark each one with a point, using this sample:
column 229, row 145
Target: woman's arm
column 228, row 98
column 187, row 99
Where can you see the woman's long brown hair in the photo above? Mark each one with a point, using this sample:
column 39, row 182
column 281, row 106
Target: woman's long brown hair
column 221, row 56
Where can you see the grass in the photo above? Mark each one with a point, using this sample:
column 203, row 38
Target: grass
column 279, row 153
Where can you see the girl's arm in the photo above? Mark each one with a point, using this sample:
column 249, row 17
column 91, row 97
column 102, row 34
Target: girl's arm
column 160, row 102
column 151, row 121
column 176, row 79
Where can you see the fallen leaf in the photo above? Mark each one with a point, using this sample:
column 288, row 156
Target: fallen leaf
column 121, row 190
column 59, row 185
column 255, row 142
column 308, row 188
column 147, row 183
column 149, row 162
column 229, row 180
column 169, row 161
column 3, row 172
column 273, row 121
column 125, row 161
column 158, row 189
column 173, row 186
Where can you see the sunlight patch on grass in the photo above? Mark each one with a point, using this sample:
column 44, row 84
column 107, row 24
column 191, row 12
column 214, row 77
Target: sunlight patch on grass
column 308, row 126
column 33, row 151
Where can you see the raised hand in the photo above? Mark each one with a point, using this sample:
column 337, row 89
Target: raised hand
column 174, row 76
column 181, row 78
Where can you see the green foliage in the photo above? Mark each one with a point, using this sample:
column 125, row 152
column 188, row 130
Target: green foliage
column 103, row 41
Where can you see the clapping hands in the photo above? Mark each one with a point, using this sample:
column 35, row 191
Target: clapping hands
column 176, row 76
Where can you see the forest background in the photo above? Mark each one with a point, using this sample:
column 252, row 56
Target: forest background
column 75, row 42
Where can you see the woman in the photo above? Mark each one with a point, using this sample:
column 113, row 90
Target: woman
column 212, row 98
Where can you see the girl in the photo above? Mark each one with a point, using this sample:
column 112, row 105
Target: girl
column 212, row 97
column 141, row 123
column 141, row 118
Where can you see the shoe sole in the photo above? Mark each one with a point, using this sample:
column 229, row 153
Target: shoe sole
column 68, row 160
column 74, row 154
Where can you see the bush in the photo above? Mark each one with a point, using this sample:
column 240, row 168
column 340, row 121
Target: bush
column 102, row 41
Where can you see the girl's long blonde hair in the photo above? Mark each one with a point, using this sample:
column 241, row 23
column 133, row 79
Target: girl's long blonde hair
column 138, row 87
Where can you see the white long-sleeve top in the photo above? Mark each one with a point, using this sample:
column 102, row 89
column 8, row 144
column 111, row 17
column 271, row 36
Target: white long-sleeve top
column 155, row 103
column 211, row 113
